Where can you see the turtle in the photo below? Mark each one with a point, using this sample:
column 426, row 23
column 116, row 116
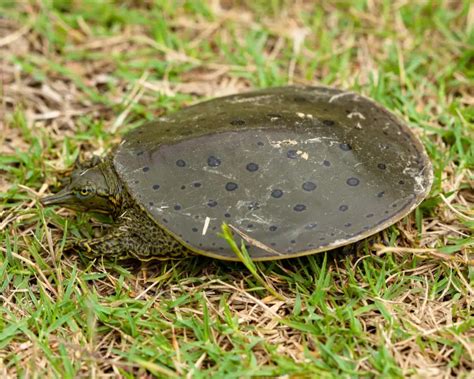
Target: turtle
column 295, row 170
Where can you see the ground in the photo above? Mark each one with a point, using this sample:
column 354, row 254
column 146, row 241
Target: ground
column 76, row 75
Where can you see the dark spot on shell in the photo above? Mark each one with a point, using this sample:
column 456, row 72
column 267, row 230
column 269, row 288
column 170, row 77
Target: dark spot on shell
column 273, row 228
column 343, row 208
column 165, row 220
column 322, row 238
column 212, row 161
column 237, row 121
column 394, row 205
column 293, row 241
column 250, row 226
column 292, row 154
column 136, row 181
column 311, row 226
column 380, row 194
column 273, row 244
column 353, row 182
column 177, row 207
column 180, row 163
column 348, row 225
column 139, row 153
column 211, row 203
column 231, row 186
column 345, row 147
column 227, row 215
column 300, row 99
column 151, row 203
column 401, row 182
column 382, row 166
column 197, row 184
column 260, row 143
column 299, row 207
column 252, row 167
column 146, row 169
column 309, row 186
column 369, row 215
column 194, row 230
column 326, row 163
column 196, row 216
column 277, row 193
column 183, row 187
column 221, row 248
column 328, row 123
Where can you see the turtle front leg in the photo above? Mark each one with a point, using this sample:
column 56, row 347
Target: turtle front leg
column 135, row 236
column 113, row 245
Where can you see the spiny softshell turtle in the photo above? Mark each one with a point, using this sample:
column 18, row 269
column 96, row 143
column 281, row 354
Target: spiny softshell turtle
column 298, row 170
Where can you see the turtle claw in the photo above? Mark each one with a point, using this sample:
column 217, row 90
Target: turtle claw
column 81, row 247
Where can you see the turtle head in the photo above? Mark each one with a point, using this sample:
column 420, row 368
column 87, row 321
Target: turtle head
column 91, row 188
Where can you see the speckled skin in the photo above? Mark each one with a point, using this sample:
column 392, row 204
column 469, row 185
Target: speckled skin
column 134, row 234
column 325, row 168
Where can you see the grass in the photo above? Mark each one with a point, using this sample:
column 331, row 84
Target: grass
column 75, row 76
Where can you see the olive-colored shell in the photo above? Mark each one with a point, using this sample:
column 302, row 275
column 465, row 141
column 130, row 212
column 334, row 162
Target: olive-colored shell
column 298, row 170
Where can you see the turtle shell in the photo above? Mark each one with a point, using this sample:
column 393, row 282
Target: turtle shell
column 295, row 170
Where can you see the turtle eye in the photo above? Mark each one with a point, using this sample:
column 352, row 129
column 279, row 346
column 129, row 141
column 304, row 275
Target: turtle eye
column 85, row 192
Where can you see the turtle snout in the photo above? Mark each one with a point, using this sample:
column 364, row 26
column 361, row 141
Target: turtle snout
column 63, row 197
